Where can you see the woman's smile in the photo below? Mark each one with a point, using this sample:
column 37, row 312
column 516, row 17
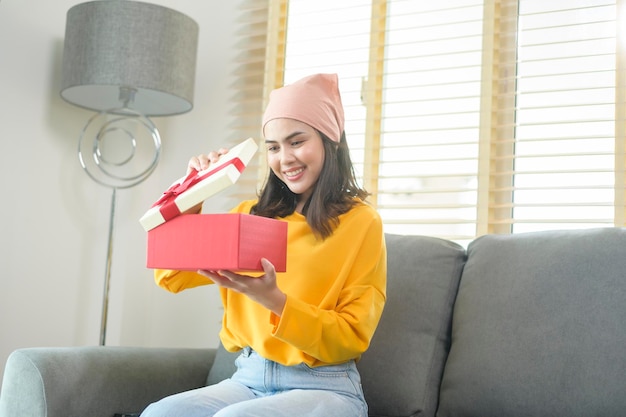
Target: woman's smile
column 294, row 174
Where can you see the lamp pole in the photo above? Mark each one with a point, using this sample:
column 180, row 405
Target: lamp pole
column 136, row 129
column 107, row 273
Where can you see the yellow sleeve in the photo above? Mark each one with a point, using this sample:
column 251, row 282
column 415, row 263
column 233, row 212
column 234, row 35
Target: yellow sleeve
column 343, row 331
column 176, row 281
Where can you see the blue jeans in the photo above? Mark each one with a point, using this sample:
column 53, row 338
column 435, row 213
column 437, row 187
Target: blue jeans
column 263, row 388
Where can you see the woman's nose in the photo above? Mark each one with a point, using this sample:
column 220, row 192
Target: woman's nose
column 286, row 155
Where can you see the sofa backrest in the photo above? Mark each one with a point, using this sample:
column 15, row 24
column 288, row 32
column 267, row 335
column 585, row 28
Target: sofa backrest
column 539, row 327
column 402, row 369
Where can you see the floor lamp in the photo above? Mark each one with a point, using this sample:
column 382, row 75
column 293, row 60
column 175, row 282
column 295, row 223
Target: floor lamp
column 127, row 60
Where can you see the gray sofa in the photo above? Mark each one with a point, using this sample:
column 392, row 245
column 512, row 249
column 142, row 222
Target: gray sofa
column 516, row 325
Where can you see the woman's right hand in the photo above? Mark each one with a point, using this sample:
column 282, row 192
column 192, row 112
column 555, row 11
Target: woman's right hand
column 202, row 161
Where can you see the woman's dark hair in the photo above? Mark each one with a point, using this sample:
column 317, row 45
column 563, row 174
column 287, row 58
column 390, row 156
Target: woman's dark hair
column 333, row 194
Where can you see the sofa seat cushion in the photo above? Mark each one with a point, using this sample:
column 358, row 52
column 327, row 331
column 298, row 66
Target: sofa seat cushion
column 538, row 327
column 401, row 371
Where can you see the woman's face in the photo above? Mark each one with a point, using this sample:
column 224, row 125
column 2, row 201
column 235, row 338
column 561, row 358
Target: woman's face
column 295, row 153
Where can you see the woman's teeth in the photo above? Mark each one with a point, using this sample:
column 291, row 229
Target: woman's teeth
column 293, row 173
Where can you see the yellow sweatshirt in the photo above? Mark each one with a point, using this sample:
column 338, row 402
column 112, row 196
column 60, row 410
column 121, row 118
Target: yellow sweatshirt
column 336, row 290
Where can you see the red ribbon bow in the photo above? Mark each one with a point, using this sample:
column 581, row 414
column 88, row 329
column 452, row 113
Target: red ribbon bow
column 169, row 209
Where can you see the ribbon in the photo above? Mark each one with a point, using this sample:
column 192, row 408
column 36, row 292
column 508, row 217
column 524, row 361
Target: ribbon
column 168, row 208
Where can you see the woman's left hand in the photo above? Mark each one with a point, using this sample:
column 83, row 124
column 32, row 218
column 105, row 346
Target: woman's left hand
column 261, row 289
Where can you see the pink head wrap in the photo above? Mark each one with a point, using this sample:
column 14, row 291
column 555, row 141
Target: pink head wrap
column 314, row 100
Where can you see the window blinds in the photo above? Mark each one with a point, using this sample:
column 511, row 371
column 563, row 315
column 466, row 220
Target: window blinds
column 429, row 143
column 248, row 80
column 467, row 117
column 565, row 114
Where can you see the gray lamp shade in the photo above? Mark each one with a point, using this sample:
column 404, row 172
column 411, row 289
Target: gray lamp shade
column 124, row 45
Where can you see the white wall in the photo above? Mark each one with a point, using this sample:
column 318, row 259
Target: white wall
column 54, row 219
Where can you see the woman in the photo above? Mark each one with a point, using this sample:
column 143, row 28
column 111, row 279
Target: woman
column 301, row 331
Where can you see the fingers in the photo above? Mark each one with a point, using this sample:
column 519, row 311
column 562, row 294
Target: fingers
column 203, row 161
column 227, row 279
column 245, row 284
column 215, row 277
column 268, row 267
column 199, row 163
column 222, row 151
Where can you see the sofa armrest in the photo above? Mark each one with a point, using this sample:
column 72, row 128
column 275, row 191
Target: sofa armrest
column 97, row 381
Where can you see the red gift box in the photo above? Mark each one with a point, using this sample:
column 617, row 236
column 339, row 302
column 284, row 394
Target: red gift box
column 235, row 242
